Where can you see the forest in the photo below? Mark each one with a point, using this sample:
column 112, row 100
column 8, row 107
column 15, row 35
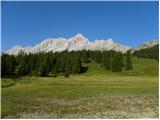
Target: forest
column 152, row 53
column 62, row 63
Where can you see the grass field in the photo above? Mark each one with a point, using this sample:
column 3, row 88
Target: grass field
column 94, row 94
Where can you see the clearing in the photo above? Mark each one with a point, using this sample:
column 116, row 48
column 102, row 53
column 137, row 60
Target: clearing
column 94, row 94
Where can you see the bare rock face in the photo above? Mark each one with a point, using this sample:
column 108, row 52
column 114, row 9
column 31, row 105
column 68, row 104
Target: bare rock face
column 59, row 44
column 147, row 44
column 108, row 45
column 15, row 50
column 76, row 43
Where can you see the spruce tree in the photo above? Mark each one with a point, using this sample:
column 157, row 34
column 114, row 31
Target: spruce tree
column 44, row 67
column 3, row 65
column 116, row 62
column 66, row 72
column 21, row 66
column 67, row 67
column 128, row 61
column 54, row 70
column 107, row 61
column 98, row 56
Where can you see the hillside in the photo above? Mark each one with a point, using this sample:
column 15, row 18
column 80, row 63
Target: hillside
column 93, row 94
column 141, row 66
column 152, row 52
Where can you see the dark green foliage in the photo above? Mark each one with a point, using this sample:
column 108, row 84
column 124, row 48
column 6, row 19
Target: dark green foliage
column 152, row 53
column 85, row 56
column 8, row 65
column 66, row 70
column 62, row 63
column 3, row 65
column 52, row 62
column 128, row 61
column 67, row 65
column 54, row 70
column 24, row 65
column 98, row 56
column 116, row 61
column 7, row 82
column 106, row 60
column 44, row 66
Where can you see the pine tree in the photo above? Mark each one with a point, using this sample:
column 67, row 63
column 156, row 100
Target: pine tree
column 85, row 56
column 116, row 62
column 113, row 62
column 21, row 66
column 67, row 66
column 54, row 70
column 128, row 61
column 67, row 72
column 44, row 67
column 98, row 56
column 120, row 61
column 61, row 63
column 107, row 61
column 75, row 64
column 3, row 65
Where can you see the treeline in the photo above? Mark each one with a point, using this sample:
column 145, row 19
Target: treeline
column 152, row 53
column 62, row 63
column 112, row 60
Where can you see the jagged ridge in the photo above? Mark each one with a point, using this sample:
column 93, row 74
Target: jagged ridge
column 75, row 43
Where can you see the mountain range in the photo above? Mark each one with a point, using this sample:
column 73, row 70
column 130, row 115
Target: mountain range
column 75, row 43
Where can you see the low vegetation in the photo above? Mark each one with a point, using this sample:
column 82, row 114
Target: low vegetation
column 96, row 93
column 7, row 82
column 99, row 96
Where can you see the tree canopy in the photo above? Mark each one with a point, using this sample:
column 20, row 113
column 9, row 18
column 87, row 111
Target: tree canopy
column 62, row 63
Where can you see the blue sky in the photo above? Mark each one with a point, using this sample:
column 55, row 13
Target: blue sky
column 28, row 23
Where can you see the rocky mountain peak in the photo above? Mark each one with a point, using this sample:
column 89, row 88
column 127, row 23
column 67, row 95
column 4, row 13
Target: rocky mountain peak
column 147, row 44
column 79, row 36
column 110, row 41
column 75, row 43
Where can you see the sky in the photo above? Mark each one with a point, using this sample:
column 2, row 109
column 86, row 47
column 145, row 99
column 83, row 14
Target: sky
column 29, row 23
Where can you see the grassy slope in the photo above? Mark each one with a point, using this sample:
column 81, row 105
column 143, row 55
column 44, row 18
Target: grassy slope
column 95, row 94
column 141, row 67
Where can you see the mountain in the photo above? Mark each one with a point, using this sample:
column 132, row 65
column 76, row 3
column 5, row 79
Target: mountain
column 75, row 43
column 150, row 52
column 147, row 44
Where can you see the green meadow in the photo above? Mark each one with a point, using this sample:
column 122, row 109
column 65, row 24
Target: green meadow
column 95, row 94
